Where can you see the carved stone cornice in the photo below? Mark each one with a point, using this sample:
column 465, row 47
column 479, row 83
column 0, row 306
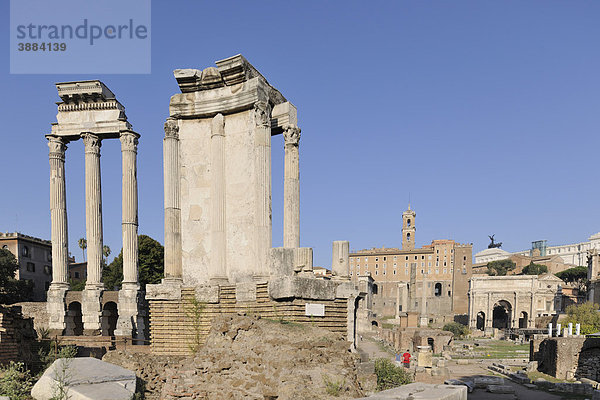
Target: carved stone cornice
column 262, row 114
column 171, row 128
column 291, row 135
column 92, row 143
column 129, row 141
column 57, row 146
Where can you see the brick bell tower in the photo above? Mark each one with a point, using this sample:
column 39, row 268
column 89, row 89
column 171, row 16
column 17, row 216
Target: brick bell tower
column 408, row 229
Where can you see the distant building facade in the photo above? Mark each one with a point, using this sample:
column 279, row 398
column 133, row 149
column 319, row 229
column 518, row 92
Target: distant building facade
column 34, row 257
column 443, row 268
column 572, row 254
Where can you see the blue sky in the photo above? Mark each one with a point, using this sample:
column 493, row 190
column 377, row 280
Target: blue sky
column 485, row 113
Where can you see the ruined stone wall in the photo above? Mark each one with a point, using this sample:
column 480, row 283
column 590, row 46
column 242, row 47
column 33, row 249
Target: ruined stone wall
column 568, row 357
column 176, row 327
column 16, row 335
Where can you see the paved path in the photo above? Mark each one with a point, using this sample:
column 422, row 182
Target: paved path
column 370, row 347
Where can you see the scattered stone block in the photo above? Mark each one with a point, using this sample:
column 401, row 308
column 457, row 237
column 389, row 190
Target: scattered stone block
column 463, row 361
column 469, row 385
column 422, row 391
column 501, row 389
column 484, row 381
column 86, row 378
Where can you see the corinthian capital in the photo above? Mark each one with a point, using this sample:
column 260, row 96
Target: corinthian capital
column 57, row 146
column 171, row 128
column 129, row 141
column 262, row 114
column 91, row 142
column 291, row 135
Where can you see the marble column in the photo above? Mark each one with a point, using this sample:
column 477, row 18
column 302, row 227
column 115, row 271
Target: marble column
column 424, row 320
column 129, row 142
column 131, row 311
column 173, row 269
column 91, row 307
column 340, row 262
column 58, row 213
column 93, row 209
column 55, row 302
column 263, row 220
column 218, row 271
column 291, row 188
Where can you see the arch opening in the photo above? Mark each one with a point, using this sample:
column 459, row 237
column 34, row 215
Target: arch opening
column 110, row 315
column 438, row 289
column 74, row 320
column 480, row 321
column 523, row 320
column 501, row 316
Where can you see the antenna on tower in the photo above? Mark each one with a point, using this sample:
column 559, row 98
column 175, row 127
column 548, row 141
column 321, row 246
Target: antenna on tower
column 409, row 201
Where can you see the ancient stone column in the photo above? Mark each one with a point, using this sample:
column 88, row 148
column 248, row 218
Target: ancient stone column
column 340, row 263
column 129, row 142
column 93, row 209
column 263, row 222
column 91, row 308
column 55, row 304
column 291, row 188
column 58, row 213
column 173, row 270
column 218, row 273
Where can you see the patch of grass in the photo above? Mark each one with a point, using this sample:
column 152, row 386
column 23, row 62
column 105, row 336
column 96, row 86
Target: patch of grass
column 334, row 387
column 536, row 374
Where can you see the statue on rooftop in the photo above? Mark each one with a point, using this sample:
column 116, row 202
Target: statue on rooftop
column 493, row 245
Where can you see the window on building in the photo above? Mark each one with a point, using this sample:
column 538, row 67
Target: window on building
column 48, row 255
column 464, row 271
column 445, row 270
column 437, row 270
column 422, row 257
column 444, row 263
column 416, row 257
column 376, row 258
column 429, row 257
column 376, row 272
column 30, row 267
column 25, row 251
column 384, row 258
column 406, row 258
column 5, row 246
column 438, row 289
column 464, row 258
column 422, row 271
column 350, row 273
column 48, row 269
column 405, row 265
column 395, row 258
column 429, row 264
column 384, row 272
column 406, row 272
column 395, row 265
column 376, row 265
column 394, row 272
column 408, row 237
column 408, row 222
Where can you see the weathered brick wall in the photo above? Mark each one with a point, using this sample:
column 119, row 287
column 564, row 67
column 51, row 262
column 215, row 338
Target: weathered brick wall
column 16, row 335
column 177, row 326
column 568, row 357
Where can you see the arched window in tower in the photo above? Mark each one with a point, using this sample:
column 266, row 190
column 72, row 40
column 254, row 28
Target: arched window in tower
column 408, row 222
column 408, row 237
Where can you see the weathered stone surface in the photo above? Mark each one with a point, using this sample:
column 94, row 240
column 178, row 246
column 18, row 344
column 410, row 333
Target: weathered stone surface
column 307, row 288
column 422, row 391
column 86, row 378
column 484, row 381
column 503, row 389
column 167, row 290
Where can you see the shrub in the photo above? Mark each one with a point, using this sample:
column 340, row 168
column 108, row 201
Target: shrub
column 389, row 375
column 586, row 314
column 459, row 330
column 333, row 388
column 15, row 381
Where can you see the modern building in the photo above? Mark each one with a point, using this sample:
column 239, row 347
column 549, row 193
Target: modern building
column 34, row 257
column 442, row 267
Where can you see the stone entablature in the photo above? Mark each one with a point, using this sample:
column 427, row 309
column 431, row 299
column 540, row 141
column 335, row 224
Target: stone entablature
column 523, row 298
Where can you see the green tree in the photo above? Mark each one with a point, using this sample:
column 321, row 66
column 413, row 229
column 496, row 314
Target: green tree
column 82, row 245
column 150, row 260
column 11, row 289
column 576, row 276
column 535, row 269
column 586, row 315
column 459, row 330
column 390, row 375
column 500, row 267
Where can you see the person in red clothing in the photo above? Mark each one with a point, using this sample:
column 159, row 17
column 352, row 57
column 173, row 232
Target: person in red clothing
column 406, row 359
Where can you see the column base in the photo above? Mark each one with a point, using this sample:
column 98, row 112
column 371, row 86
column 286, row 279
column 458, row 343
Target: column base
column 56, row 307
column 91, row 309
column 132, row 312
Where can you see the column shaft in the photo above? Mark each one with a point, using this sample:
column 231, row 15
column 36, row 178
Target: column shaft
column 291, row 188
column 129, row 141
column 263, row 219
column 173, row 269
column 58, row 212
column 218, row 271
column 93, row 209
